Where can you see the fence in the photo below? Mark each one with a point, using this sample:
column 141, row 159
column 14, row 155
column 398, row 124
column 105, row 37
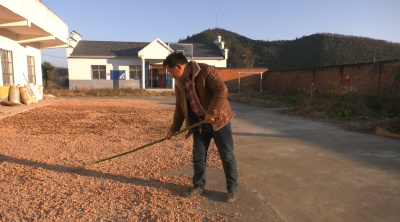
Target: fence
column 239, row 80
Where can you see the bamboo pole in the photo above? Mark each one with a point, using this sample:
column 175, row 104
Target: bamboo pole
column 144, row 146
column 31, row 90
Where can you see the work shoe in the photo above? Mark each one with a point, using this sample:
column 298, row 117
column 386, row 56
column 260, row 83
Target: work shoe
column 231, row 196
column 196, row 190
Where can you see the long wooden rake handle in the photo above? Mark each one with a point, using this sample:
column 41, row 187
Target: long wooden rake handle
column 147, row 145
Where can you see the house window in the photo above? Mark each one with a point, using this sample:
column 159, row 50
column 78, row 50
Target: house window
column 31, row 70
column 7, row 67
column 99, row 72
column 135, row 72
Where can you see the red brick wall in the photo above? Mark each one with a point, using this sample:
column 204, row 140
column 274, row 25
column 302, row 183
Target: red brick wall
column 287, row 80
column 387, row 77
column 368, row 78
column 326, row 75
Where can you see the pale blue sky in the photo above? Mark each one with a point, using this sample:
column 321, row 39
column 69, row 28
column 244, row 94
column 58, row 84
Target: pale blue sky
column 144, row 21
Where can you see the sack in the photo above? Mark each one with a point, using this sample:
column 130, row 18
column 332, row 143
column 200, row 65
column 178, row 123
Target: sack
column 40, row 93
column 35, row 89
column 25, row 95
column 14, row 95
column 34, row 99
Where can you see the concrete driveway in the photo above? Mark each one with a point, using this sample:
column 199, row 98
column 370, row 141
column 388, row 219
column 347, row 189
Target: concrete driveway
column 312, row 171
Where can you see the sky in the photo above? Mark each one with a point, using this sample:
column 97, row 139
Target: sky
column 144, row 21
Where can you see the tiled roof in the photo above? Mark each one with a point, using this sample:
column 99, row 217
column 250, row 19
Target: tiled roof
column 106, row 48
column 206, row 50
column 131, row 49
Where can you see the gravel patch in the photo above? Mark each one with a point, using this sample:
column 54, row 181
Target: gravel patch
column 40, row 147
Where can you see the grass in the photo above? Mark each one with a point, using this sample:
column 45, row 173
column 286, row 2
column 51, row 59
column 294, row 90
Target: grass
column 337, row 104
column 105, row 92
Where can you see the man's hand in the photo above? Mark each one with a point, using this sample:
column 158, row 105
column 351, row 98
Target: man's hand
column 209, row 119
column 169, row 134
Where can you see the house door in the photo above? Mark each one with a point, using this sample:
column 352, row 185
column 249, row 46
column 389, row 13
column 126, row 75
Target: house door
column 158, row 76
column 161, row 78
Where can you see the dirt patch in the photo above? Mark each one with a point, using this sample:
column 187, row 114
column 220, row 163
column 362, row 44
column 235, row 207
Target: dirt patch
column 362, row 125
column 340, row 105
column 41, row 146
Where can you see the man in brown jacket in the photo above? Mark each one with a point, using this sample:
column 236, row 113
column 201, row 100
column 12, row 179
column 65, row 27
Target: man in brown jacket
column 202, row 95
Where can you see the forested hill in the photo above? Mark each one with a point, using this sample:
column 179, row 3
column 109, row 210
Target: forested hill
column 317, row 50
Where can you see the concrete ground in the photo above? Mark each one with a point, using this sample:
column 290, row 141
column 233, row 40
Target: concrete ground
column 7, row 111
column 294, row 169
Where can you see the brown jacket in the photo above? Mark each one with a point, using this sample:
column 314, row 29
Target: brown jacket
column 212, row 93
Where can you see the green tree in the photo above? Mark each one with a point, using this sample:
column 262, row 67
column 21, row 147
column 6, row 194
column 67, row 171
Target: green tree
column 46, row 68
column 250, row 58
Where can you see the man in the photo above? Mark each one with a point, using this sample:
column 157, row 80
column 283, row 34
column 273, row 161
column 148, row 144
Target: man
column 202, row 95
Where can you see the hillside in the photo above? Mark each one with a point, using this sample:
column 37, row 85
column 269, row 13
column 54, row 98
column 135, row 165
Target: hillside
column 317, row 50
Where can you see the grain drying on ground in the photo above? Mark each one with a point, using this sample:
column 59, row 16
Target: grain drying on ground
column 39, row 148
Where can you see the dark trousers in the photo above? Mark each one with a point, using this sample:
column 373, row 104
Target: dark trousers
column 224, row 142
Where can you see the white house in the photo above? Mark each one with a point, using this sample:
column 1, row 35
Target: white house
column 26, row 27
column 108, row 64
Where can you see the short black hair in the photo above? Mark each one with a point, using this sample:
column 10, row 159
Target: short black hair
column 175, row 58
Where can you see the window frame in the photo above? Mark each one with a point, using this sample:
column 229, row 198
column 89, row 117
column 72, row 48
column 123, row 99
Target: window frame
column 30, row 75
column 9, row 63
column 99, row 69
column 181, row 51
column 135, row 72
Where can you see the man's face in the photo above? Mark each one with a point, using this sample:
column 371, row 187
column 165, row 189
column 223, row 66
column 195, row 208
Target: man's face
column 176, row 72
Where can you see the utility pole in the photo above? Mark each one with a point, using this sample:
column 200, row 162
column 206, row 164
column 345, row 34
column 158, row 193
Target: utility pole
column 216, row 21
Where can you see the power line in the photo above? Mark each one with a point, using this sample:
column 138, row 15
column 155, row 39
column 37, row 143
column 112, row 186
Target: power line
column 55, row 56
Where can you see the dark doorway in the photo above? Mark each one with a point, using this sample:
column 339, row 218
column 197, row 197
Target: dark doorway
column 154, row 77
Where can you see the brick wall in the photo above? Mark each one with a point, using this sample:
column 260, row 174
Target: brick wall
column 368, row 78
column 287, row 80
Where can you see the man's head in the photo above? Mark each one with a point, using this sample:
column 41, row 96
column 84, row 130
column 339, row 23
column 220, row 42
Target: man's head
column 175, row 64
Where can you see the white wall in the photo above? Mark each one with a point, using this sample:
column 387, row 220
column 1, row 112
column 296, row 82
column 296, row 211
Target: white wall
column 154, row 51
column 80, row 69
column 20, row 60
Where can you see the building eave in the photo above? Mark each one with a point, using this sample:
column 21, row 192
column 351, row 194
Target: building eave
column 204, row 58
column 27, row 29
column 102, row 57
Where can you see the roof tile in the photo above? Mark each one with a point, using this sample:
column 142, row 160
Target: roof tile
column 131, row 49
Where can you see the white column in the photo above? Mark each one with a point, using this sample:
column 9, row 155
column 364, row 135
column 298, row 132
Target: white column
column 143, row 73
column 173, row 83
column 1, row 76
